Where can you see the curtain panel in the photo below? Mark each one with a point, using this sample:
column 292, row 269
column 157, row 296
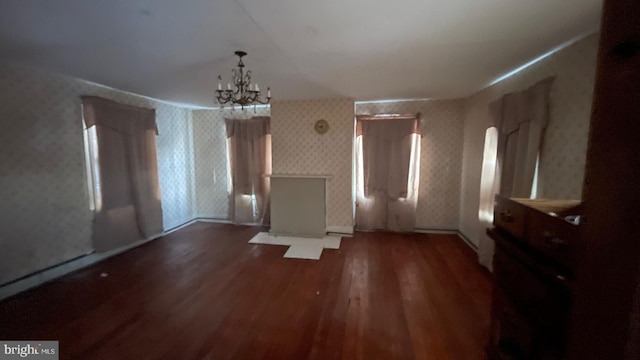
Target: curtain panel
column 249, row 144
column 388, row 169
column 127, row 165
column 521, row 119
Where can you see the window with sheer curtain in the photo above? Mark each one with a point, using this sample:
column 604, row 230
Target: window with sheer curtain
column 249, row 155
column 519, row 120
column 123, row 172
column 387, row 172
column 489, row 182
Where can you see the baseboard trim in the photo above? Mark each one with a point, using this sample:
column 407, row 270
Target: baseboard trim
column 464, row 238
column 214, row 220
column 178, row 227
column 339, row 230
column 457, row 232
column 43, row 276
column 436, row 231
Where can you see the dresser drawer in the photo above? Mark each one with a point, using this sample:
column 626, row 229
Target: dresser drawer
column 553, row 237
column 546, row 302
column 513, row 335
column 509, row 216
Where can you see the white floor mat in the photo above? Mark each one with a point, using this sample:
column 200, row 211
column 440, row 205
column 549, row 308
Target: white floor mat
column 310, row 252
column 327, row 242
column 300, row 248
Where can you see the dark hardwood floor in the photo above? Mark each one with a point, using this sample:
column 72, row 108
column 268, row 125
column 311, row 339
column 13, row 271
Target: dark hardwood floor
column 203, row 292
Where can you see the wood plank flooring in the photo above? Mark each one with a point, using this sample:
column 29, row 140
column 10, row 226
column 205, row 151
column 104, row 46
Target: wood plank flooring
column 203, row 292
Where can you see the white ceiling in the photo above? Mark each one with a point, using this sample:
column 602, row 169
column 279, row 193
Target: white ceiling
column 364, row 49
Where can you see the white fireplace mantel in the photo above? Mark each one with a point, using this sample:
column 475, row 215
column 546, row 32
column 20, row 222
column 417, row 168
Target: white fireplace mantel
column 298, row 204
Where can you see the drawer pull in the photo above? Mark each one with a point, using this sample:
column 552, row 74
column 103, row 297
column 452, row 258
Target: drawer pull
column 506, row 216
column 552, row 241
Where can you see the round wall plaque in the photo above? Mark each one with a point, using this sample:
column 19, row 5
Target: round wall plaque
column 321, row 126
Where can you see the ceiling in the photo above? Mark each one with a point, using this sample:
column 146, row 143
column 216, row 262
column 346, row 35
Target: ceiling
column 364, row 49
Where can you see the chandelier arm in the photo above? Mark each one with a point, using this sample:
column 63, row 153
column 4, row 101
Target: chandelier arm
column 250, row 97
column 234, row 75
column 224, row 97
column 237, row 80
column 265, row 102
column 241, row 85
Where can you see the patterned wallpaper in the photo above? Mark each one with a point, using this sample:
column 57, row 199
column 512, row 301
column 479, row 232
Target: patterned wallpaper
column 440, row 157
column 175, row 163
column 440, row 164
column 44, row 212
column 298, row 149
column 211, row 169
column 42, row 166
column 563, row 154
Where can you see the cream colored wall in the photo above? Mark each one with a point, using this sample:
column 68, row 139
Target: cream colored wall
column 210, row 158
column 440, row 157
column 44, row 207
column 562, row 157
column 298, row 149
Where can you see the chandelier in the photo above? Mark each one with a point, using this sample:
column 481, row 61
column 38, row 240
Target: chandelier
column 245, row 93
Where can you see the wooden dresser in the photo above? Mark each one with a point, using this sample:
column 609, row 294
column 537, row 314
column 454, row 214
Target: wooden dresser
column 533, row 271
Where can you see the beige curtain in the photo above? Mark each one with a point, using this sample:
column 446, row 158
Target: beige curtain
column 521, row 119
column 127, row 188
column 249, row 143
column 388, row 157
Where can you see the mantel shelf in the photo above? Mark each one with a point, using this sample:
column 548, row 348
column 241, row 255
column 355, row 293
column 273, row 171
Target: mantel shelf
column 300, row 176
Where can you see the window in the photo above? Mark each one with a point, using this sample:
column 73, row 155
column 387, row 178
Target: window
column 387, row 164
column 534, row 185
column 488, row 180
column 122, row 172
column 92, row 169
column 249, row 161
